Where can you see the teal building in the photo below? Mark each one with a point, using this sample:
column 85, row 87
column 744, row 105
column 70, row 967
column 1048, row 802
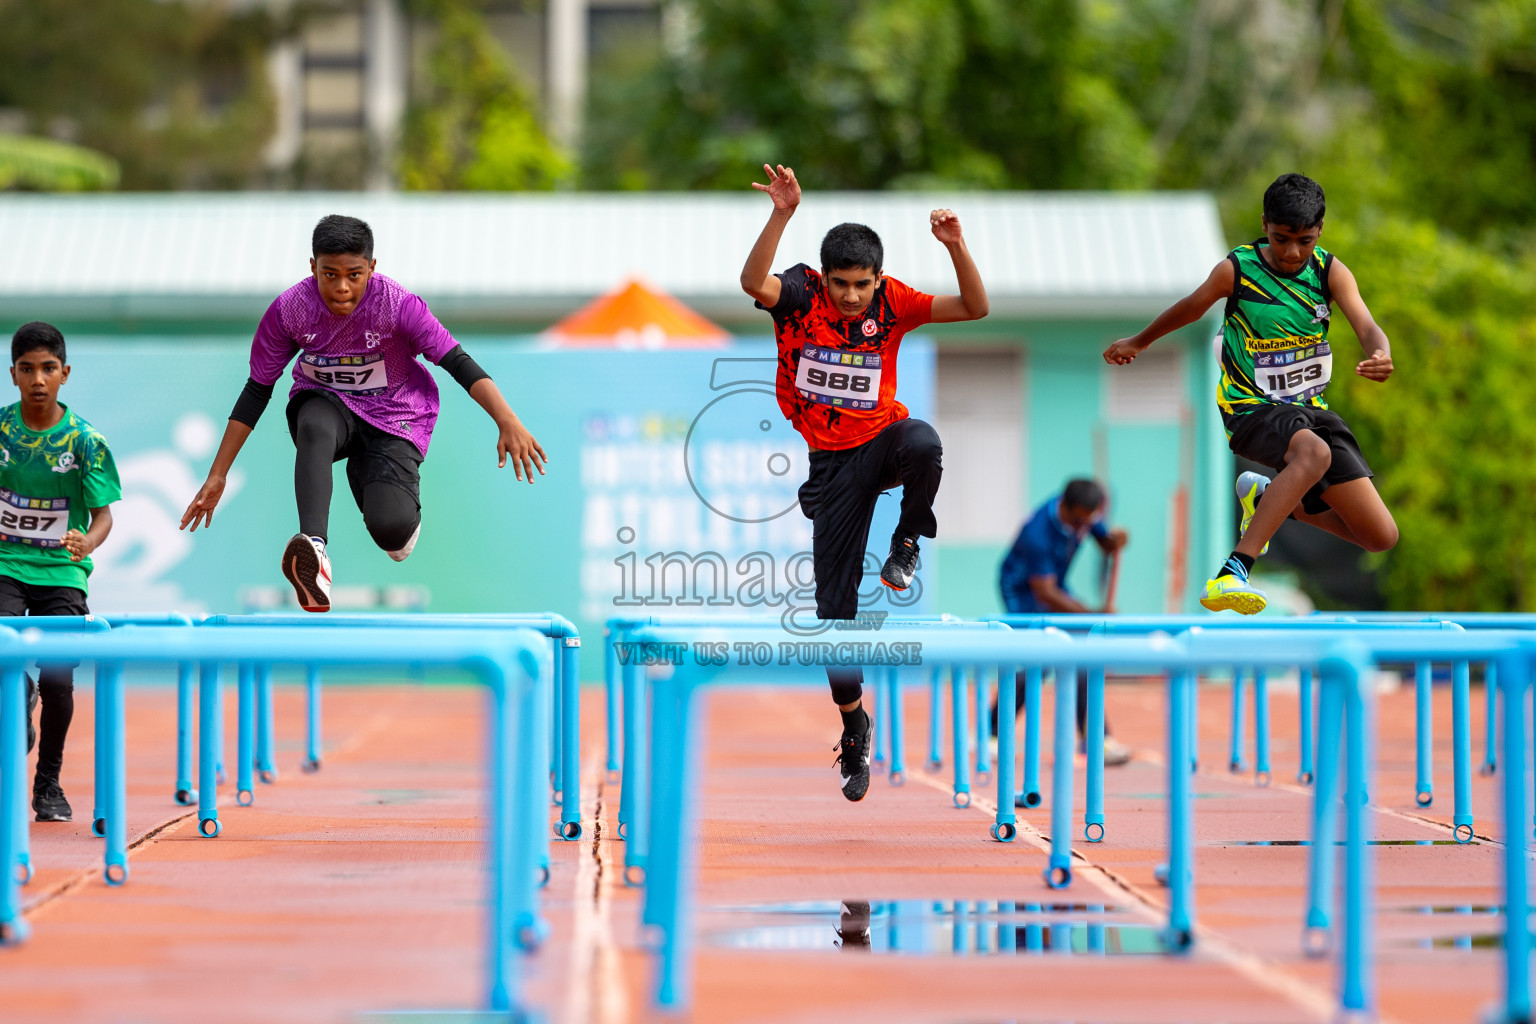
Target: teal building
column 158, row 295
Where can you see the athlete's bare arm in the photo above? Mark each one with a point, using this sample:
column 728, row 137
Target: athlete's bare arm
column 971, row 303
column 512, row 438
column 1346, row 292
column 1217, row 287
column 79, row 545
column 757, row 278
column 200, row 511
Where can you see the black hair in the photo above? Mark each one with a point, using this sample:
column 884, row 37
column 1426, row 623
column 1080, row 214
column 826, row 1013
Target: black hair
column 37, row 335
column 852, row 245
column 1295, row 201
column 1082, row 493
column 342, row 236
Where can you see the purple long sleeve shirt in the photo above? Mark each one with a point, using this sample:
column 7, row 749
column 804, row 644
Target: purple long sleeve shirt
column 367, row 358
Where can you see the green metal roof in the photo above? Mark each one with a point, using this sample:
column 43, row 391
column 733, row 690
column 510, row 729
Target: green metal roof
column 527, row 258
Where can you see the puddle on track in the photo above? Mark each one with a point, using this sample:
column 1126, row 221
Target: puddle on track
column 1339, row 842
column 945, row 929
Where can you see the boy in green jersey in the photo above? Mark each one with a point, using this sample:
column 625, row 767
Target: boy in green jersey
column 1275, row 364
column 57, row 479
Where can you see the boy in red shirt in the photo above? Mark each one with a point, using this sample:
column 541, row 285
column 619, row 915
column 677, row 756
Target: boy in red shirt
column 838, row 332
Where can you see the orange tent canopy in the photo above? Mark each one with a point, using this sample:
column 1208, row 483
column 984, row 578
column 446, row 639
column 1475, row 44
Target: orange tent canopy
column 636, row 316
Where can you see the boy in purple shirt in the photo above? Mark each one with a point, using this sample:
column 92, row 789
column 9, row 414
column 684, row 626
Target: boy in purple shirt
column 358, row 394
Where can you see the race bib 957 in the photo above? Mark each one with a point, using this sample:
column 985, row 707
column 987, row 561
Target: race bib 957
column 356, row 375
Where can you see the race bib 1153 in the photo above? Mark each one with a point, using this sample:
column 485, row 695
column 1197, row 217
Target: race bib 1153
column 356, row 375
column 40, row 522
column 848, row 380
column 1293, row 375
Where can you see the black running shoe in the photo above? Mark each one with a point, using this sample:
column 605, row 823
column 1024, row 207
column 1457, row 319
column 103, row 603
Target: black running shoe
column 48, row 800
column 853, row 926
column 853, row 756
column 901, row 565
column 31, row 710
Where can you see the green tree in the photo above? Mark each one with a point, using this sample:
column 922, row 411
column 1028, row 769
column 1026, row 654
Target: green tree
column 474, row 127
column 872, row 94
column 1450, row 434
column 43, row 165
column 175, row 92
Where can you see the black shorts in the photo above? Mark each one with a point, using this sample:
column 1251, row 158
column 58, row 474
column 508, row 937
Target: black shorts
column 1264, row 435
column 373, row 455
column 18, row 598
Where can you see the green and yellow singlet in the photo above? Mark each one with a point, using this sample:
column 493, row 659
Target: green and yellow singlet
column 1274, row 340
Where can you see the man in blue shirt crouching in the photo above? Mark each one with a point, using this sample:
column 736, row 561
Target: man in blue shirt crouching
column 1034, row 574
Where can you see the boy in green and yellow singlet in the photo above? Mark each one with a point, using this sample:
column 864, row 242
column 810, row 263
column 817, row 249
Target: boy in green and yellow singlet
column 1275, row 364
column 57, row 478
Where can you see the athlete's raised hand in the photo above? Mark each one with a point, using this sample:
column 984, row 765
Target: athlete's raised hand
column 516, row 443
column 946, row 226
column 782, row 187
column 1123, row 351
column 201, row 509
column 1378, row 367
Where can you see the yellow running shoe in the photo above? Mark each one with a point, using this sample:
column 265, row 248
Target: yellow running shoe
column 1232, row 593
column 1250, row 488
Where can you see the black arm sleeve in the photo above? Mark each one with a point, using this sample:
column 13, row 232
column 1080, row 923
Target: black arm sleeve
column 462, row 368
column 251, row 403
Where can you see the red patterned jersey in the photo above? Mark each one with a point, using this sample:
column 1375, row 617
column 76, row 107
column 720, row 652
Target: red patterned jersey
column 837, row 377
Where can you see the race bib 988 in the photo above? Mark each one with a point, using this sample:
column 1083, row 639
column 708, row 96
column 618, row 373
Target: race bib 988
column 848, row 380
column 1293, row 375
column 40, row 522
column 356, row 375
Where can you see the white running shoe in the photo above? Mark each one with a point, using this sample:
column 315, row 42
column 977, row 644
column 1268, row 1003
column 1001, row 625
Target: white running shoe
column 308, row 568
column 410, row 546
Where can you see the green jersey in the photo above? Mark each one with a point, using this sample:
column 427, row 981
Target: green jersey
column 49, row 481
column 1274, row 341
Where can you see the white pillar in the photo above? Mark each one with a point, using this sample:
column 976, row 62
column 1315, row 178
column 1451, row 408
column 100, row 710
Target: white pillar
column 567, row 70
column 385, row 64
column 285, row 68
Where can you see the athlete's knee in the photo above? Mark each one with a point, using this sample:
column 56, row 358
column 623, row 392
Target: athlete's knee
column 390, row 518
column 922, row 442
column 1379, row 536
column 1309, row 453
column 317, row 423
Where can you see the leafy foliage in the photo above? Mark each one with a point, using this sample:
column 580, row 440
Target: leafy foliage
column 1451, row 433
column 44, row 165
column 175, row 92
column 474, row 128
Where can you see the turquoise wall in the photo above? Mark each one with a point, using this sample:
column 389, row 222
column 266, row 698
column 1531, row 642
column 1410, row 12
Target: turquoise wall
column 1069, row 433
column 670, row 466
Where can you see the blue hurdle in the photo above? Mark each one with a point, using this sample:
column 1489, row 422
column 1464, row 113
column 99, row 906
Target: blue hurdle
column 1344, row 658
column 565, row 717
column 510, row 664
column 58, row 624
column 1082, row 625
column 884, row 682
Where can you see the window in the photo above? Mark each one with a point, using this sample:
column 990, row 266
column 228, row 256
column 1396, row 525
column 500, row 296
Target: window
column 979, row 414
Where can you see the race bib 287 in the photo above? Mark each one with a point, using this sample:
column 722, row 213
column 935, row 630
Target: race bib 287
column 39, row 522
